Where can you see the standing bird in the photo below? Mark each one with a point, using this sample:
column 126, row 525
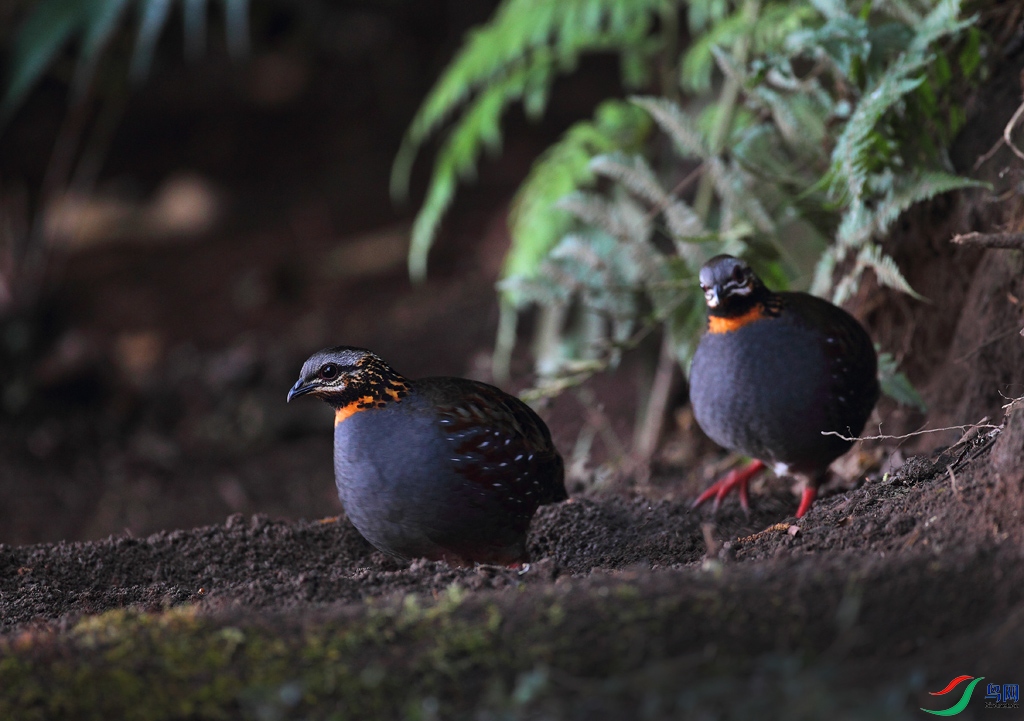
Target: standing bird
column 441, row 468
column 772, row 373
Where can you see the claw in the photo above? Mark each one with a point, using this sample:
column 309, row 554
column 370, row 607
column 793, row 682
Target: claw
column 739, row 479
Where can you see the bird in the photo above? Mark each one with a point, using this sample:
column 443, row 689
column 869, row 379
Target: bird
column 447, row 469
column 784, row 378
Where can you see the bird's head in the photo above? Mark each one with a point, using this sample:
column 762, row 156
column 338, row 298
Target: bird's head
column 730, row 286
column 345, row 375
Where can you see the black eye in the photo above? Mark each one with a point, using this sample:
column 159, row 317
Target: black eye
column 737, row 274
column 328, row 371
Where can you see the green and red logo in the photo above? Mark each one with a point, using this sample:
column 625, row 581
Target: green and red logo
column 1004, row 696
column 964, row 699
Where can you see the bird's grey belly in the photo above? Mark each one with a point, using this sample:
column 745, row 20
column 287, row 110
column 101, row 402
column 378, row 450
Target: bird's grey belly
column 762, row 390
column 391, row 487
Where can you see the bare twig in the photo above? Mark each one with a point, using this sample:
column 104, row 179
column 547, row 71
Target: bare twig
column 679, row 187
column 1009, row 129
column 1014, row 403
column 952, row 481
column 1005, row 139
column 647, row 435
column 908, row 435
column 599, row 420
column 711, row 544
column 991, row 240
column 987, row 156
column 987, row 343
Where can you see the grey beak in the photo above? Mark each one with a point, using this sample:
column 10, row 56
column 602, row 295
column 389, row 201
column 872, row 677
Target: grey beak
column 300, row 390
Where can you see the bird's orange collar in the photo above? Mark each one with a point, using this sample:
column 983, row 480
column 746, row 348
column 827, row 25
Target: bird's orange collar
column 394, row 392
column 720, row 324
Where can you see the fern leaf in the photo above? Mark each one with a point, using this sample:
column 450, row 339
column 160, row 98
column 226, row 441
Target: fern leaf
column 823, row 271
column 676, row 124
column 896, row 385
column 941, row 22
column 517, row 31
column 832, row 9
column 152, row 19
column 535, row 223
column 918, row 187
column 48, row 27
column 593, row 210
column 885, row 268
column 849, row 165
column 99, row 29
column 478, row 128
column 633, row 172
column 886, row 271
column 733, row 190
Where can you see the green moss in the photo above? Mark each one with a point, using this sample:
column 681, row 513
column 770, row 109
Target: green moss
column 508, row 655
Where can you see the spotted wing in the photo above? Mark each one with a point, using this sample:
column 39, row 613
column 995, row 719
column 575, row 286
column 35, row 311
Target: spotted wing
column 498, row 442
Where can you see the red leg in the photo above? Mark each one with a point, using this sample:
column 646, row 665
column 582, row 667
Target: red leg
column 739, row 479
column 810, row 493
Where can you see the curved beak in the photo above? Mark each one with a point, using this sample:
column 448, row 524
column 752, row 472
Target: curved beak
column 300, row 390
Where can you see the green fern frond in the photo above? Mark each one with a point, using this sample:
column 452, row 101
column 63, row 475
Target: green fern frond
column 540, row 38
column 676, row 124
column 535, row 223
column 851, row 156
column 944, row 20
column 823, row 272
column 886, row 271
column 896, row 385
column 885, row 268
column 478, row 128
column 767, row 31
column 733, row 189
column 919, row 186
column 52, row 24
column 594, row 210
column 832, row 9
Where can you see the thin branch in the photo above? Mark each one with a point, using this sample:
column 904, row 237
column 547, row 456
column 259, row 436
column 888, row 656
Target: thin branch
column 988, row 342
column 988, row 156
column 670, row 196
column 1014, row 403
column 999, row 143
column 645, row 441
column 1009, row 128
column 990, row 240
column 909, row 435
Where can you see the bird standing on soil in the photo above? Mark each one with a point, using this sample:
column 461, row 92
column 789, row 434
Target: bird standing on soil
column 772, row 373
column 442, row 468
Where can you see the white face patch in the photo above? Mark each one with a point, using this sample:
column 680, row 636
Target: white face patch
column 745, row 289
column 711, row 296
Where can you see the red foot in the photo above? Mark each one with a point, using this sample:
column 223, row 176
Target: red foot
column 738, row 478
column 810, row 493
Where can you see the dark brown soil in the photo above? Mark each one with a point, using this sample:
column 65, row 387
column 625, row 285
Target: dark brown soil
column 157, row 374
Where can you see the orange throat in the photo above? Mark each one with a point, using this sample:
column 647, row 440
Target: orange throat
column 364, row 403
column 717, row 324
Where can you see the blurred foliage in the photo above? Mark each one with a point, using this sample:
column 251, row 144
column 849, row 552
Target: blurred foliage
column 53, row 24
column 811, row 128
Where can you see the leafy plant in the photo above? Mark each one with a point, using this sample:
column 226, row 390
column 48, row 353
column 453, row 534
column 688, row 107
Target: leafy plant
column 53, row 24
column 812, row 127
column 48, row 28
column 515, row 58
